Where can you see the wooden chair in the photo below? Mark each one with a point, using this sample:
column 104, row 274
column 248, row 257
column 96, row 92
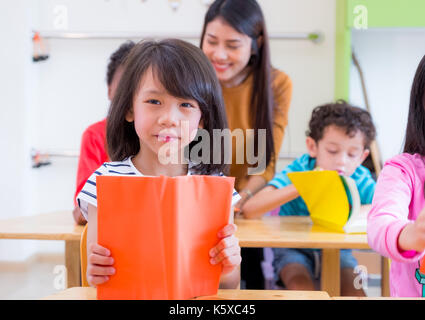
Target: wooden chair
column 385, row 277
column 83, row 257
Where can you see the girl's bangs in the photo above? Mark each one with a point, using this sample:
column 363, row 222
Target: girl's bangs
column 180, row 81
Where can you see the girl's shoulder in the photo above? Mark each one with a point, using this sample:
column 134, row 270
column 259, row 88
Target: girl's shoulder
column 407, row 160
column 124, row 167
column 412, row 164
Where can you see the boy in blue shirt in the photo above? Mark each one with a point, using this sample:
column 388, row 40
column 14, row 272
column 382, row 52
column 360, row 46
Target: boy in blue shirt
column 338, row 139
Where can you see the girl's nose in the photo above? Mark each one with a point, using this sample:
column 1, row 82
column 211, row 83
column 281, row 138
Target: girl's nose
column 170, row 117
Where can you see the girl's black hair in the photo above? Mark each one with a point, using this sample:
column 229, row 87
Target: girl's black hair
column 185, row 72
column 246, row 17
column 415, row 130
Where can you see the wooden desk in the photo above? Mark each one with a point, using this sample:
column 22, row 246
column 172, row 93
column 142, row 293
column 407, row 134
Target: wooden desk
column 299, row 232
column 51, row 226
column 375, row 298
column 88, row 293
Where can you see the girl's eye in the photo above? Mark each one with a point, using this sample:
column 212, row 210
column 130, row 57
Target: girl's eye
column 153, row 101
column 212, row 43
column 187, row 105
column 332, row 151
column 232, row 47
column 352, row 155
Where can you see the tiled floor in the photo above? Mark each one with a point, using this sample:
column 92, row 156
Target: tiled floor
column 40, row 276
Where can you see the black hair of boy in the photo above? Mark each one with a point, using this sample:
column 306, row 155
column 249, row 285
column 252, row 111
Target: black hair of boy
column 185, row 72
column 117, row 59
column 342, row 115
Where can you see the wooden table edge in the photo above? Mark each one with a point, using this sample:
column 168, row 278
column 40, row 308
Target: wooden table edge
column 88, row 293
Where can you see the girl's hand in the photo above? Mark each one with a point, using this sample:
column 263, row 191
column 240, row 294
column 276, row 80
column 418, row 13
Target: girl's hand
column 99, row 265
column 412, row 236
column 227, row 251
column 419, row 231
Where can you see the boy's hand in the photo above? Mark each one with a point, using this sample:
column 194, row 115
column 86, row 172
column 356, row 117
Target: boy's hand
column 99, row 265
column 227, row 251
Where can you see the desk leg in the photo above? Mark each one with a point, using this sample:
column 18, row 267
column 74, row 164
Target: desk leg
column 331, row 273
column 72, row 263
column 385, row 277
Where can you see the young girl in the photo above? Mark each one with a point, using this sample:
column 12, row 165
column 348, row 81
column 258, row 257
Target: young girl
column 166, row 86
column 396, row 223
column 256, row 96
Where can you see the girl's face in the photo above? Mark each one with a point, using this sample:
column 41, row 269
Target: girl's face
column 162, row 120
column 228, row 50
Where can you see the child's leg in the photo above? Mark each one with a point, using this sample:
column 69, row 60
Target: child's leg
column 348, row 277
column 294, row 268
column 295, row 276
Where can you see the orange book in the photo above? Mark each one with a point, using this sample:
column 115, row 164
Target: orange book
column 160, row 231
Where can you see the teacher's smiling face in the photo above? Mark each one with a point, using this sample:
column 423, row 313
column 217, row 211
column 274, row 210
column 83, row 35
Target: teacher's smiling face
column 228, row 50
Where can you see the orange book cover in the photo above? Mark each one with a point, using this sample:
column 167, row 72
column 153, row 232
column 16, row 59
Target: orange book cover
column 159, row 231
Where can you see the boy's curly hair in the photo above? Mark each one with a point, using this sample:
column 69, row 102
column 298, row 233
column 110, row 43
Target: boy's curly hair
column 342, row 115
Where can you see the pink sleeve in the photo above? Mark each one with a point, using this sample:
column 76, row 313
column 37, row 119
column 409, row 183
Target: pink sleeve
column 389, row 213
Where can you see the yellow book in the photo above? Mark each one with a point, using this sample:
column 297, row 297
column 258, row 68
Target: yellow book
column 333, row 201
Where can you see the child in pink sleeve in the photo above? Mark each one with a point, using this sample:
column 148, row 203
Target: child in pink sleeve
column 396, row 222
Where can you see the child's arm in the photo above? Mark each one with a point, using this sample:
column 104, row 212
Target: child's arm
column 99, row 260
column 268, row 199
column 412, row 236
column 390, row 232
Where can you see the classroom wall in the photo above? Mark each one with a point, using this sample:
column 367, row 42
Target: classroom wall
column 60, row 97
column 389, row 58
column 15, row 105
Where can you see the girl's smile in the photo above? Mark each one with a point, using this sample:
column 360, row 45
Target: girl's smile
column 167, row 136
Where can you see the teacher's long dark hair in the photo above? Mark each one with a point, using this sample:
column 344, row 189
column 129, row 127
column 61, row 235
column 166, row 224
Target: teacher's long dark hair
column 246, row 17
